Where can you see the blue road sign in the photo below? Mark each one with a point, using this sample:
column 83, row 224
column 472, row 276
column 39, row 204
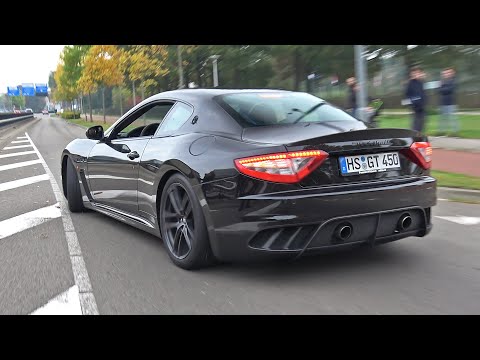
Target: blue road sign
column 41, row 89
column 13, row 91
column 28, row 90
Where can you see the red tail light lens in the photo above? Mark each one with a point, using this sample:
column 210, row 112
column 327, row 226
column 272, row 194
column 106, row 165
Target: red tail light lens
column 289, row 167
column 421, row 154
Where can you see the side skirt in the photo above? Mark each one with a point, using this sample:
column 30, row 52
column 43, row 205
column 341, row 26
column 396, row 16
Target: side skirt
column 123, row 216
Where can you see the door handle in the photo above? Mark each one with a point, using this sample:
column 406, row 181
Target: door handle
column 133, row 155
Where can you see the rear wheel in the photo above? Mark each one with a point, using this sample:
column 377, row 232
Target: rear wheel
column 182, row 225
column 74, row 193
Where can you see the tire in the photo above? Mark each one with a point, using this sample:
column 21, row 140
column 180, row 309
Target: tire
column 74, row 193
column 182, row 225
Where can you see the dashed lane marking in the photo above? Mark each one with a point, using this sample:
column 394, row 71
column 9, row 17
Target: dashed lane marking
column 462, row 220
column 4, row 156
column 19, row 141
column 67, row 303
column 28, row 220
column 22, row 182
column 19, row 164
column 16, row 147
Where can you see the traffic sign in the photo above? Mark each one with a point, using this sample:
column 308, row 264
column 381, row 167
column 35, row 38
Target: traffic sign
column 41, row 89
column 13, row 91
column 28, row 90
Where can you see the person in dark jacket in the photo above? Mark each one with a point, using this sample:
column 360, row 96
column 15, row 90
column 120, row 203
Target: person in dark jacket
column 418, row 99
column 448, row 121
column 352, row 96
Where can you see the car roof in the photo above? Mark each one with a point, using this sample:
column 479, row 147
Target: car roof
column 206, row 94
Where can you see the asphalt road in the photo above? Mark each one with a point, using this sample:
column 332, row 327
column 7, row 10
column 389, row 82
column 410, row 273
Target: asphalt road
column 130, row 272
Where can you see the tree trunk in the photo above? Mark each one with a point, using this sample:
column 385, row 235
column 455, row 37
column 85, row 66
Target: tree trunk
column 198, row 71
column 103, row 104
column 90, row 105
column 121, row 101
column 187, row 79
column 181, row 85
column 84, row 109
column 298, row 70
column 143, row 93
column 133, row 92
column 81, row 106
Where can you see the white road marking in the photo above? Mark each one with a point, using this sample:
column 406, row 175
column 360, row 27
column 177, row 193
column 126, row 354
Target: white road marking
column 19, row 165
column 4, row 156
column 67, row 303
column 462, row 220
column 442, row 199
column 16, row 147
column 20, row 141
column 82, row 280
column 22, row 182
column 21, row 137
column 25, row 221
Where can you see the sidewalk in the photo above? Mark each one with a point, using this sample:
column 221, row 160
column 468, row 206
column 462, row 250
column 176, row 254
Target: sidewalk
column 456, row 155
column 459, row 162
column 452, row 143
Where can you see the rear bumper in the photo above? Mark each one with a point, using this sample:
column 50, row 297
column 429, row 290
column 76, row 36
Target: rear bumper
column 295, row 223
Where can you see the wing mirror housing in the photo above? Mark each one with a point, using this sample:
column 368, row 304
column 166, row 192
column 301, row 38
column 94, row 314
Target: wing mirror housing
column 95, row 132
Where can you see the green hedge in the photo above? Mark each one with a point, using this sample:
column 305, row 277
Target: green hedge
column 70, row 115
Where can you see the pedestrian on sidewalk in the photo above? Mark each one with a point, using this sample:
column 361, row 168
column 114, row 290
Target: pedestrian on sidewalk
column 448, row 121
column 417, row 96
column 352, row 96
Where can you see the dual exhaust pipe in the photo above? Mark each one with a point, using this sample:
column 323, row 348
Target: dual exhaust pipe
column 344, row 231
column 404, row 222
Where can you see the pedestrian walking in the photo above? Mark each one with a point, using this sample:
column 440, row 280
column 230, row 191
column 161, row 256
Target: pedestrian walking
column 352, row 96
column 448, row 122
column 416, row 95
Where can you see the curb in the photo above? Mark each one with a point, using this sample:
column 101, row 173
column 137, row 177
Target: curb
column 454, row 193
column 70, row 123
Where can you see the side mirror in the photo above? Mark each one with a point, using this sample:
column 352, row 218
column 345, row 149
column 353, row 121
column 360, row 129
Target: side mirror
column 95, row 133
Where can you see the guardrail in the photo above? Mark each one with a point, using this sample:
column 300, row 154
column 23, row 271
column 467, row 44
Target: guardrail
column 8, row 118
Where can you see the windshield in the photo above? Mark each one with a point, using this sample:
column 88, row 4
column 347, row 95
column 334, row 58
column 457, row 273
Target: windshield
column 264, row 109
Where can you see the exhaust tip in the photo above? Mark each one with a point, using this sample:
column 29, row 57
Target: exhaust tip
column 344, row 231
column 404, row 222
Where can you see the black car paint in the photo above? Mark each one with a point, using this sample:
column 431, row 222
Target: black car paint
column 236, row 207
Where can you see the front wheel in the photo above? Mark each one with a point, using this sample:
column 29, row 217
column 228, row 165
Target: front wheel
column 74, row 193
column 182, row 225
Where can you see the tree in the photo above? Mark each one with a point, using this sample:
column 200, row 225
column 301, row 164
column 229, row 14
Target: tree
column 102, row 68
column 144, row 63
column 18, row 101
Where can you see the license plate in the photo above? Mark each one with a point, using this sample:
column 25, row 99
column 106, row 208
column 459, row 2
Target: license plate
column 371, row 163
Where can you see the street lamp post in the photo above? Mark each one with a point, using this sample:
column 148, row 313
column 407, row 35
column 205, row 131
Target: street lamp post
column 181, row 85
column 215, row 69
column 361, row 72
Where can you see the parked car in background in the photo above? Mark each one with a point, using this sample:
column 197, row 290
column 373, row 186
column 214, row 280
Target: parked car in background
column 45, row 112
column 28, row 110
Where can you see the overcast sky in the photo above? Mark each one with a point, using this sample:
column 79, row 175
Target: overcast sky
column 27, row 64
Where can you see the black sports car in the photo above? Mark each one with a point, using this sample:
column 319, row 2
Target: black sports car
column 236, row 175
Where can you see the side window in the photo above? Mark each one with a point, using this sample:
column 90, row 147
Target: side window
column 145, row 122
column 176, row 118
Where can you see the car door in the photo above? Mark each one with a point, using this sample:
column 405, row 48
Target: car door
column 113, row 163
column 162, row 147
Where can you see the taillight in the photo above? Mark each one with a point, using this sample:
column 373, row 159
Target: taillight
column 288, row 167
column 421, row 154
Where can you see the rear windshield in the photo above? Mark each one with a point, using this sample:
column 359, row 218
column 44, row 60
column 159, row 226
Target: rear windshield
column 264, row 109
